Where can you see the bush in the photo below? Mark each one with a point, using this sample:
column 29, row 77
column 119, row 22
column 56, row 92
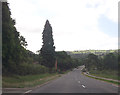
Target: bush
column 27, row 69
column 83, row 70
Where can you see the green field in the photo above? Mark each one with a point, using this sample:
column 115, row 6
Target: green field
column 92, row 51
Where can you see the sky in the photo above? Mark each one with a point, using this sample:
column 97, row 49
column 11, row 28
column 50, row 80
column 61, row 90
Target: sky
column 76, row 24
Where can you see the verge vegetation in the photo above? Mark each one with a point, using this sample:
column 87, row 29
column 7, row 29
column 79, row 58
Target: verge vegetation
column 16, row 81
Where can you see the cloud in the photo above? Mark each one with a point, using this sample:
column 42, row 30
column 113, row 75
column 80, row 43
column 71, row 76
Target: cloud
column 74, row 22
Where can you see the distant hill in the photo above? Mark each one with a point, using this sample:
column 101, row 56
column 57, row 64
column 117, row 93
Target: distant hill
column 84, row 53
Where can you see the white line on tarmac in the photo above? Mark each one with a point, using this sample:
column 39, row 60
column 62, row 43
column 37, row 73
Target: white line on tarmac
column 78, row 81
column 28, row 91
column 83, row 86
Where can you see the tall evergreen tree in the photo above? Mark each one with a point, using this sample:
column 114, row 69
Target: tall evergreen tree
column 48, row 48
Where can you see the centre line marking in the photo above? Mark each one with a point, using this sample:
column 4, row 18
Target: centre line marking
column 83, row 86
column 28, row 91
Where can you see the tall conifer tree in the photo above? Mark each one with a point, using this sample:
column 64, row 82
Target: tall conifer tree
column 48, row 48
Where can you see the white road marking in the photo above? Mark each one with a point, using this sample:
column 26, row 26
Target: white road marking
column 83, row 86
column 28, row 91
column 78, row 81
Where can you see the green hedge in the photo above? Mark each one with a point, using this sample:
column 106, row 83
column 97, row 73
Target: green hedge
column 26, row 69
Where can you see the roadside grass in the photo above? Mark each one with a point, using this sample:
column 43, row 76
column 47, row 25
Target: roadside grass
column 64, row 72
column 16, row 81
column 106, row 74
column 0, row 82
column 117, row 83
column 27, row 81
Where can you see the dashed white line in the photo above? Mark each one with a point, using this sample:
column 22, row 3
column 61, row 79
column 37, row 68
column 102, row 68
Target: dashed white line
column 28, row 91
column 78, row 81
column 83, row 86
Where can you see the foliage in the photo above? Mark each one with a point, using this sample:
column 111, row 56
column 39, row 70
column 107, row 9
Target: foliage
column 48, row 48
column 18, row 60
column 22, row 41
column 106, row 62
column 92, row 62
column 17, row 81
column 14, row 54
column 12, row 51
column 114, row 82
column 65, row 62
column 83, row 53
column 112, row 74
column 29, row 69
column 110, row 61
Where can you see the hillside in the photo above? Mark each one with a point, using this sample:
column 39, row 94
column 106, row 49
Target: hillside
column 84, row 53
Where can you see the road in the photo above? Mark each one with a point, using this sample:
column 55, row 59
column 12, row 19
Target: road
column 75, row 82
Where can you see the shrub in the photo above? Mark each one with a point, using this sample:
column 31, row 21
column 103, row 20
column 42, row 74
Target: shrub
column 27, row 69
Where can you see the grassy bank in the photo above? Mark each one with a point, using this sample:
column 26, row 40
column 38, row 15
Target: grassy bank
column 16, row 81
column 106, row 74
column 117, row 83
column 27, row 81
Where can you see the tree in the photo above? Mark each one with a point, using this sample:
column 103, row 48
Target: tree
column 48, row 48
column 111, row 61
column 12, row 49
column 92, row 62
column 22, row 41
column 15, row 58
column 8, row 36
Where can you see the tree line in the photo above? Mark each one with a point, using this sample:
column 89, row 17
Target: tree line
column 102, row 60
column 16, row 59
column 14, row 53
column 109, row 61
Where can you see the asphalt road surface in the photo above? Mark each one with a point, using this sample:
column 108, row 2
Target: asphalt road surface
column 75, row 82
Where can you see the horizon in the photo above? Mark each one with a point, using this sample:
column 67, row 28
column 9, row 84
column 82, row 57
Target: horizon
column 83, row 50
column 86, row 25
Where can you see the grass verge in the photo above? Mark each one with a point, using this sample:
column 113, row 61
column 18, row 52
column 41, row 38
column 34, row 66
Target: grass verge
column 111, row 74
column 114, row 82
column 27, row 81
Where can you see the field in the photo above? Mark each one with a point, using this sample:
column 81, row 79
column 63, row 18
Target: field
column 93, row 51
